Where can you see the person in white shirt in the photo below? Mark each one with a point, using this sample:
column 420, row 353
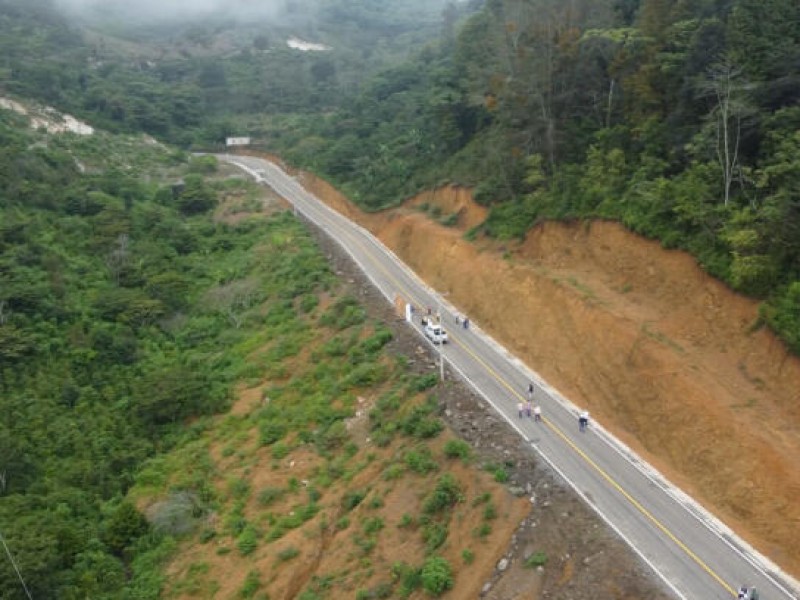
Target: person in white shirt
column 583, row 420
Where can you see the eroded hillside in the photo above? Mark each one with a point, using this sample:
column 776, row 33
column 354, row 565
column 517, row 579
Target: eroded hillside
column 666, row 357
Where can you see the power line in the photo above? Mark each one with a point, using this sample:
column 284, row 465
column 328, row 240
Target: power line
column 14, row 564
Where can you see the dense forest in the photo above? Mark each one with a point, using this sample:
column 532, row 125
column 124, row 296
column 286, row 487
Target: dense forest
column 193, row 82
column 678, row 119
column 117, row 294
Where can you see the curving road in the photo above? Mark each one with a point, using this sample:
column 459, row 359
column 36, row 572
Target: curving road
column 694, row 555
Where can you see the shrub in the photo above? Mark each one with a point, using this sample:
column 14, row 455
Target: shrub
column 353, row 498
column 393, row 471
column 205, row 164
column 450, row 220
column 345, row 313
column 124, row 526
column 247, row 541
column 406, row 521
column 420, row 383
column 482, row 499
column 457, row 449
column 366, row 374
column 269, row 495
column 308, row 303
column 483, row 530
column 782, row 313
column 467, row 556
column 434, row 535
column 207, row 535
column 436, row 575
column 271, row 432
column 333, row 437
column 240, row 488
column 288, row 553
column 251, row 585
column 280, row 450
column 420, row 460
column 372, row 525
column 499, row 472
column 377, row 340
column 418, row 423
column 409, row 577
column 537, row 559
column 446, row 494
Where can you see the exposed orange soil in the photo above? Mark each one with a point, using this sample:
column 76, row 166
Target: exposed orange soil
column 663, row 355
column 325, row 548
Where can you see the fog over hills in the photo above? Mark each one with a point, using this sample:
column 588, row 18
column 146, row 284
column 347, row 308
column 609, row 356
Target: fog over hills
column 172, row 10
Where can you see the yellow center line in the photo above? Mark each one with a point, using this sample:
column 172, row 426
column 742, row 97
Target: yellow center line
column 610, row 480
column 501, row 380
column 640, row 508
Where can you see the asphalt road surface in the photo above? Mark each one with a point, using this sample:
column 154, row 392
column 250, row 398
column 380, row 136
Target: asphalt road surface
column 694, row 555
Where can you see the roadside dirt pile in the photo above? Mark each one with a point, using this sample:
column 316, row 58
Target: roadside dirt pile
column 666, row 357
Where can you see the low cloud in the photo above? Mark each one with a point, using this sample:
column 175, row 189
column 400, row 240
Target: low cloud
column 172, row 10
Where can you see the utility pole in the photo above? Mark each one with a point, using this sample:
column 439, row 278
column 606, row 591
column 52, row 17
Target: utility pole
column 441, row 340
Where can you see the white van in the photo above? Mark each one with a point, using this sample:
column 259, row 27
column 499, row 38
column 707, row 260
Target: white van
column 435, row 333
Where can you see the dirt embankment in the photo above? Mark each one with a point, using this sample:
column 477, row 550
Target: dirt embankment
column 665, row 356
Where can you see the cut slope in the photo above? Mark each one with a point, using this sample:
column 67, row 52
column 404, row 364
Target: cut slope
column 665, row 356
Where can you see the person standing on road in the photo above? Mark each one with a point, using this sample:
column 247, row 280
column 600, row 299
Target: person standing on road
column 530, row 391
column 583, row 420
column 528, row 409
column 520, row 408
column 537, row 413
column 466, row 323
column 742, row 592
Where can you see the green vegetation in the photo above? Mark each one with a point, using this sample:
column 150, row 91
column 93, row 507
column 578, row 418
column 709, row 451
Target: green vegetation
column 676, row 120
column 128, row 314
column 201, row 80
column 288, row 553
column 117, row 296
column 436, row 575
column 679, row 121
column 446, row 494
column 457, row 449
column 537, row 559
column 252, row 584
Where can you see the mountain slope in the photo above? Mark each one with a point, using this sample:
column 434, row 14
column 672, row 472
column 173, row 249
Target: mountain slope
column 667, row 357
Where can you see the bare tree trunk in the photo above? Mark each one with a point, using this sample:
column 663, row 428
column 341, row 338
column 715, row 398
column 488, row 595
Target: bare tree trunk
column 728, row 132
column 117, row 259
column 609, row 103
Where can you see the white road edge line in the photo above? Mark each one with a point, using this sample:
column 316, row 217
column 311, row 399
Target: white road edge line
column 698, row 512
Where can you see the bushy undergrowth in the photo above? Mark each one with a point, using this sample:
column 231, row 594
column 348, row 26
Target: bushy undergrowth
column 125, row 311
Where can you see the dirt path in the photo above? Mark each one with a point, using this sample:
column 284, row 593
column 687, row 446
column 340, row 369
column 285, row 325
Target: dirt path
column 666, row 357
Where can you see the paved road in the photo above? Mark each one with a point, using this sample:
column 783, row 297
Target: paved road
column 694, row 555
